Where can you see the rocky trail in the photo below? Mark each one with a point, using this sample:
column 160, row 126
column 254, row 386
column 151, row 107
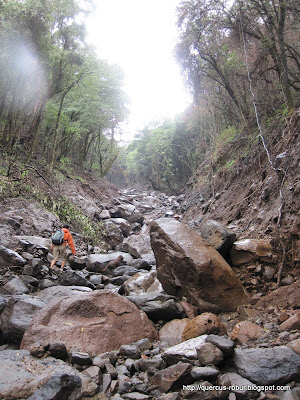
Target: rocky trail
column 190, row 311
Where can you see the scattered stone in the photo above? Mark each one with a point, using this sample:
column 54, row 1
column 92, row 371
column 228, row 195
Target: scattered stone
column 205, row 323
column 184, row 351
column 209, row 354
column 218, row 236
column 22, row 375
column 171, row 332
column 16, row 286
column 199, row 373
column 250, row 250
column 158, row 306
column 130, row 350
column 173, row 377
column 227, row 346
column 295, row 345
column 190, row 310
column 245, row 331
column 58, row 350
column 291, row 323
column 80, row 358
column 239, row 386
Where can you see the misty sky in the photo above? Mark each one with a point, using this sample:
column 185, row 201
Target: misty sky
column 139, row 35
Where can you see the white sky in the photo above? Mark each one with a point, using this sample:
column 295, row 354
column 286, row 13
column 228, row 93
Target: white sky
column 139, row 35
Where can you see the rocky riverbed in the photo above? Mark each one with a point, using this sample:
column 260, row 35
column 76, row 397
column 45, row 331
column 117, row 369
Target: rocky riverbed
column 192, row 311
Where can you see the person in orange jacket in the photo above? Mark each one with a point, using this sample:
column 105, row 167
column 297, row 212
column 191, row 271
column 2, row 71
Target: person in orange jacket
column 60, row 251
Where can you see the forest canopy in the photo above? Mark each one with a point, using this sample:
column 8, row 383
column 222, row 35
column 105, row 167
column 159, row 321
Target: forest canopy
column 241, row 62
column 58, row 102
column 61, row 105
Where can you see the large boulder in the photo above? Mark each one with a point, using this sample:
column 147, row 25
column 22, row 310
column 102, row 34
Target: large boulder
column 17, row 316
column 188, row 266
column 23, row 375
column 94, row 323
column 272, row 366
column 218, row 236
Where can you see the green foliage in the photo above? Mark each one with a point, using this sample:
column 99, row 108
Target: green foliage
column 225, row 137
column 66, row 98
column 65, row 210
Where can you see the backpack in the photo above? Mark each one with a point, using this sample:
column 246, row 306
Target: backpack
column 58, row 237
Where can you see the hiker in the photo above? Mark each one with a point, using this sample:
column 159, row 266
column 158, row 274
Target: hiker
column 59, row 244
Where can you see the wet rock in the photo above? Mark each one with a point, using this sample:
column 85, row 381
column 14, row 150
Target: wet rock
column 130, row 350
column 77, row 320
column 33, row 373
column 190, row 310
column 173, row 377
column 226, row 345
column 17, row 316
column 291, row 323
column 210, row 284
column 295, row 345
column 171, row 332
column 142, row 283
column 58, row 350
column 80, row 358
column 141, row 264
column 272, row 366
column 210, row 372
column 74, row 278
column 285, row 297
column 11, row 257
column 209, row 354
column 185, row 351
column 158, row 306
column 58, row 291
column 16, row 286
column 78, row 262
column 97, row 262
column 239, row 386
column 58, row 386
column 35, row 242
column 205, row 323
column 250, row 250
column 245, row 331
column 126, row 248
column 218, row 236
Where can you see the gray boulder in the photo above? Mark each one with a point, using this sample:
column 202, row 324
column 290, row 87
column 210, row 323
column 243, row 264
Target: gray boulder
column 11, row 257
column 158, row 306
column 97, row 262
column 272, row 366
column 218, row 236
column 74, row 278
column 24, row 376
column 17, row 316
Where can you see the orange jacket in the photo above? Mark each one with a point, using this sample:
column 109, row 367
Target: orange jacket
column 68, row 239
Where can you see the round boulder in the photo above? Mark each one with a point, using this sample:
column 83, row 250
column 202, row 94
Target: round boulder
column 94, row 323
